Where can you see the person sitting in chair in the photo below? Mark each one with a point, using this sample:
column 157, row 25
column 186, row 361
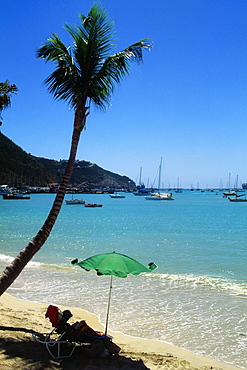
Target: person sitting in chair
column 76, row 331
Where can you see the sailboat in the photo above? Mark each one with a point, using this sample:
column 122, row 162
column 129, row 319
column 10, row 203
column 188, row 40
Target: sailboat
column 159, row 195
column 234, row 193
column 229, row 192
column 74, row 201
column 237, row 197
column 178, row 190
column 141, row 190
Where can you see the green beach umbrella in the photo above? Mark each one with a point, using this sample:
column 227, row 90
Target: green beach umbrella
column 115, row 264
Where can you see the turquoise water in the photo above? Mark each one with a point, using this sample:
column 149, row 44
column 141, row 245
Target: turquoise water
column 197, row 297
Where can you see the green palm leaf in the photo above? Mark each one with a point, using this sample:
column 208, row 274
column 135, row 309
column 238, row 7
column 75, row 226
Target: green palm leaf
column 5, row 93
column 86, row 70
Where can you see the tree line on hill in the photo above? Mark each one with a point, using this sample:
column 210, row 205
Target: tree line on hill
column 18, row 168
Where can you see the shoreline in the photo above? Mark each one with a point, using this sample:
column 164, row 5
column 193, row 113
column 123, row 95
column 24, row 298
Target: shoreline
column 20, row 318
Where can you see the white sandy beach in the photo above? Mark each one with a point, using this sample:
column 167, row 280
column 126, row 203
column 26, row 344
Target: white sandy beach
column 19, row 319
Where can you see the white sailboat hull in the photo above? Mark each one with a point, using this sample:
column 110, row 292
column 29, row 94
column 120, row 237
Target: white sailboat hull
column 160, row 196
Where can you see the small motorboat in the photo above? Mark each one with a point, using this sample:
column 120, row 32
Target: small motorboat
column 75, row 201
column 142, row 192
column 230, row 193
column 117, row 195
column 15, row 196
column 92, row 205
column 238, row 198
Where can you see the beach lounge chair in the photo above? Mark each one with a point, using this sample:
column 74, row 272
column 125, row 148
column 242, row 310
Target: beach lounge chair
column 60, row 346
column 57, row 344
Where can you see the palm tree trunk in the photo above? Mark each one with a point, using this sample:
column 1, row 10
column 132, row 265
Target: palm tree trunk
column 12, row 271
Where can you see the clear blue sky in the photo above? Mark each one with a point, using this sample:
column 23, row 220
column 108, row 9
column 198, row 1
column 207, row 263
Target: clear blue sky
column 187, row 103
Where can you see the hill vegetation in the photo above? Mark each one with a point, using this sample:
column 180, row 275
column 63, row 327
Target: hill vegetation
column 18, row 168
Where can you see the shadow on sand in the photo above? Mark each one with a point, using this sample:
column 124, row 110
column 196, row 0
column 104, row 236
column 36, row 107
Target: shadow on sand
column 24, row 353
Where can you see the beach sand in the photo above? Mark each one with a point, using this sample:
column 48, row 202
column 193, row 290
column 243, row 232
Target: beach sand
column 19, row 350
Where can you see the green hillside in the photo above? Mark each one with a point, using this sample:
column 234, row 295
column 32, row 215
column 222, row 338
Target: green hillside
column 18, row 168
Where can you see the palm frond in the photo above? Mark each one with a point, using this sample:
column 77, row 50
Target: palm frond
column 115, row 67
column 5, row 93
column 64, row 79
column 86, row 70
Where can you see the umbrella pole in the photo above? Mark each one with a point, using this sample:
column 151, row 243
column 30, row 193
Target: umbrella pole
column 108, row 309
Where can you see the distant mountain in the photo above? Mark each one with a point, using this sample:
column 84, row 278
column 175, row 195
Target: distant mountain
column 20, row 168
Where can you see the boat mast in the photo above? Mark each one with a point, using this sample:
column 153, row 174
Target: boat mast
column 140, row 178
column 236, row 186
column 159, row 174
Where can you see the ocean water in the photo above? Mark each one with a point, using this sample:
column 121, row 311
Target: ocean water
column 197, row 297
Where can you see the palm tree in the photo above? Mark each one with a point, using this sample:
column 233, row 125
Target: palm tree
column 84, row 73
column 5, row 92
